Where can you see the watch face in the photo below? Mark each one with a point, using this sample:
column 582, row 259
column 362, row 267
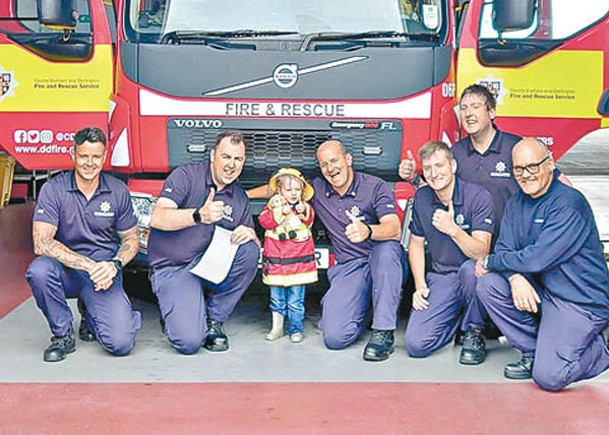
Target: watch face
column 118, row 264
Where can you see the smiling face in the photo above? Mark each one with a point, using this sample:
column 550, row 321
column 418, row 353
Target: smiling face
column 335, row 164
column 227, row 162
column 89, row 158
column 439, row 171
column 533, row 167
column 476, row 116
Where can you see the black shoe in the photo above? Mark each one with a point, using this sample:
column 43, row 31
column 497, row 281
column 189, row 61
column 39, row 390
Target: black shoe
column 216, row 340
column 474, row 347
column 84, row 333
column 60, row 347
column 519, row 370
column 380, row 345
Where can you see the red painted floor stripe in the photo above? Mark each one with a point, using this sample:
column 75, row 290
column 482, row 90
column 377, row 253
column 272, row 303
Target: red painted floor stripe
column 16, row 253
column 303, row 408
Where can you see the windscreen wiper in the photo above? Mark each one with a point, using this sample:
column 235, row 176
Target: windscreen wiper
column 344, row 36
column 178, row 36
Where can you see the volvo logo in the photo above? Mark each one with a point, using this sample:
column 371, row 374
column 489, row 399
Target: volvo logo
column 286, row 75
column 197, row 123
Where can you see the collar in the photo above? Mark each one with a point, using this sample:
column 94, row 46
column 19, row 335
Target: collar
column 493, row 148
column 457, row 197
column 103, row 186
column 351, row 192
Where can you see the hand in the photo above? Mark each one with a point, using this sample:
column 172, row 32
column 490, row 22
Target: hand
column 243, row 234
column 408, row 167
column 300, row 207
column 479, row 269
column 444, row 221
column 102, row 274
column 356, row 231
column 287, row 209
column 524, row 296
column 212, row 211
column 419, row 299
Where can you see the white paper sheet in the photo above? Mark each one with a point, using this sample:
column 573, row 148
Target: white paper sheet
column 217, row 260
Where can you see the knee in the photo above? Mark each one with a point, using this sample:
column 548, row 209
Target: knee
column 40, row 270
column 118, row 343
column 186, row 343
column 548, row 381
column 467, row 272
column 484, row 285
column 249, row 254
column 416, row 346
column 337, row 339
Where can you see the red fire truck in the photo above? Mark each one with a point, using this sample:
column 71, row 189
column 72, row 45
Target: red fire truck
column 165, row 76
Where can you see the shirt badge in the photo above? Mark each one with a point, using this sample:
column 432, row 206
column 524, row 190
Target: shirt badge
column 459, row 219
column 227, row 213
column 500, row 170
column 105, row 210
column 355, row 212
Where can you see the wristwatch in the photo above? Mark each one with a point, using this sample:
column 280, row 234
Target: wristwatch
column 484, row 262
column 196, row 216
column 118, row 264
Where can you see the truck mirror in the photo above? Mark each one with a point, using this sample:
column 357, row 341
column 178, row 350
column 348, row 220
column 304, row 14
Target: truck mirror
column 57, row 14
column 511, row 15
column 603, row 104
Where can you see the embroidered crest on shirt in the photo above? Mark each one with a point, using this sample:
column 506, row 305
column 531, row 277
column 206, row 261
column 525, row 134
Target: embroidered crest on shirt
column 227, row 213
column 355, row 212
column 500, row 170
column 460, row 220
column 105, row 210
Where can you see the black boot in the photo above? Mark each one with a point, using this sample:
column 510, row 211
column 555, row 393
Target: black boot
column 474, row 347
column 522, row 369
column 60, row 347
column 84, row 333
column 216, row 340
column 380, row 345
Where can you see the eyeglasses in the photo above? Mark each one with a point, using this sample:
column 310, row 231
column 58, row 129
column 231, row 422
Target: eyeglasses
column 532, row 169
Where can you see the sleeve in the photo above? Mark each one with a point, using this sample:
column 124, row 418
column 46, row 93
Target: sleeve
column 308, row 216
column 384, row 200
column 483, row 212
column 415, row 222
column 48, row 205
column 268, row 218
column 177, row 186
column 563, row 234
column 126, row 218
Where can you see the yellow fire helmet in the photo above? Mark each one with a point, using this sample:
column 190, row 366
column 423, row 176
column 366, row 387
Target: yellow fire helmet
column 307, row 189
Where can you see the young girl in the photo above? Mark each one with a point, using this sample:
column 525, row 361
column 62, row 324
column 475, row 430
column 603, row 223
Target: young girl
column 288, row 261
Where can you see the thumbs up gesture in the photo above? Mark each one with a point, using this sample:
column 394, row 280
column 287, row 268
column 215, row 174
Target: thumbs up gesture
column 408, row 167
column 356, row 231
column 444, row 220
column 212, row 210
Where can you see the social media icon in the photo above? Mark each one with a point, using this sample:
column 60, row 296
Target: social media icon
column 33, row 136
column 20, row 136
column 46, row 136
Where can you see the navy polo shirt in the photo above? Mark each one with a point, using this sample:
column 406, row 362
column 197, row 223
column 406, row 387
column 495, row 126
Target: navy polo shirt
column 493, row 169
column 88, row 227
column 369, row 198
column 474, row 211
column 554, row 238
column 188, row 186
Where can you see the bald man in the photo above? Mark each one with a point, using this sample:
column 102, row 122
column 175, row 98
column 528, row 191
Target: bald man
column 546, row 286
column 358, row 210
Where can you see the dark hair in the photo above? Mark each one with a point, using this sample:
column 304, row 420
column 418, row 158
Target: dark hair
column 481, row 91
column 89, row 134
column 431, row 147
column 235, row 136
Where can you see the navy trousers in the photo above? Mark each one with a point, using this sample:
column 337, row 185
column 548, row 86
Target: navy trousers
column 109, row 313
column 353, row 285
column 452, row 304
column 182, row 301
column 566, row 342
